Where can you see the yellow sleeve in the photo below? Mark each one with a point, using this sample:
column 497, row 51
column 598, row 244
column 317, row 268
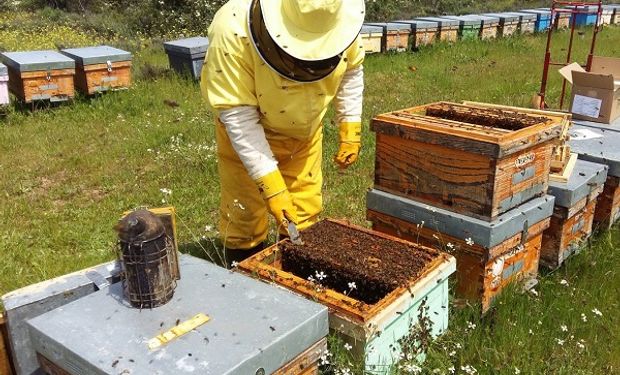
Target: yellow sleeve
column 355, row 54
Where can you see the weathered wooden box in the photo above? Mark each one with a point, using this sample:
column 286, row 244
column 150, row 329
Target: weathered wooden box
column 490, row 26
column 100, row 69
column 615, row 10
column 395, row 36
column 423, row 33
column 470, row 27
column 371, row 38
column 573, row 214
column 562, row 20
column 253, row 328
column 40, row 75
column 508, row 23
column 374, row 330
column 448, row 28
column 4, row 85
column 489, row 255
column 468, row 159
column 5, row 356
column 186, row 56
column 607, row 15
column 599, row 144
column 543, row 19
column 527, row 22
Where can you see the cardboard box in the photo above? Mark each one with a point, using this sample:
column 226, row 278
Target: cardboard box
column 596, row 94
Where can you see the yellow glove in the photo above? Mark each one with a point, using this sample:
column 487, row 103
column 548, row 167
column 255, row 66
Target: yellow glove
column 350, row 135
column 277, row 197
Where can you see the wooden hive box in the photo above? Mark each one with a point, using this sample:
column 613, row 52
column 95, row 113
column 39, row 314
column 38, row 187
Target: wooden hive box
column 100, row 69
column 489, row 255
column 186, row 56
column 4, row 85
column 527, row 22
column 563, row 20
column 423, row 33
column 598, row 143
column 371, row 38
column 615, row 9
column 543, row 19
column 573, row 214
column 40, row 75
column 5, row 355
column 448, row 28
column 373, row 330
column 476, row 170
column 607, row 15
column 490, row 26
column 508, row 23
column 395, row 36
column 470, row 27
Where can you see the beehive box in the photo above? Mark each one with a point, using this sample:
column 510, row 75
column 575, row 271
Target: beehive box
column 615, row 9
column 5, row 357
column 186, row 56
column 606, row 15
column 587, row 15
column 371, row 38
column 34, row 300
column 40, row 75
column 395, row 36
column 561, row 20
column 599, row 144
column 371, row 321
column 573, row 214
column 470, row 27
column 489, row 255
column 543, row 19
column 423, row 33
column 468, row 159
column 508, row 23
column 448, row 28
column 4, row 85
column 490, row 26
column 527, row 23
column 252, row 328
column 100, row 69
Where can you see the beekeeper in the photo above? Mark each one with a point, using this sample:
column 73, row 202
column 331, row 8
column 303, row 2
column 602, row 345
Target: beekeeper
column 271, row 70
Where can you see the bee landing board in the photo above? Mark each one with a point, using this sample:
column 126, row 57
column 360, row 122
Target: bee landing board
column 373, row 330
column 4, row 85
column 186, row 56
column 489, row 255
column 395, row 36
column 475, row 161
column 40, row 75
column 100, row 69
column 371, row 38
column 423, row 33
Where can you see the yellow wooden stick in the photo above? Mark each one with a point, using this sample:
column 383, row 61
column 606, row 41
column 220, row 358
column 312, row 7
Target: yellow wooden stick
column 178, row 331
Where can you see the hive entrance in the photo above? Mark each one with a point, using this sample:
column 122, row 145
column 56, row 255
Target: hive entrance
column 488, row 117
column 364, row 266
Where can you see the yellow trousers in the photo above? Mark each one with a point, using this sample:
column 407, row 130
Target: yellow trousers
column 243, row 214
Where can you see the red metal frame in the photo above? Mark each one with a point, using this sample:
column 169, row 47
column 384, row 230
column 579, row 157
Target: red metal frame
column 572, row 7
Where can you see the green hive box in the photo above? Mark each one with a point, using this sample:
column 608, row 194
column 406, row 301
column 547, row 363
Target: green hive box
column 469, row 26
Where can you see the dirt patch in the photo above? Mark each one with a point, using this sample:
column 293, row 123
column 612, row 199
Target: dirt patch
column 489, row 117
column 347, row 257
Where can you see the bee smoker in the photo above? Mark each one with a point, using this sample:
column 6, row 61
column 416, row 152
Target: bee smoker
column 146, row 255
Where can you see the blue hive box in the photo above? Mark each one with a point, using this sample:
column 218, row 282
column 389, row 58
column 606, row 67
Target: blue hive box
column 186, row 56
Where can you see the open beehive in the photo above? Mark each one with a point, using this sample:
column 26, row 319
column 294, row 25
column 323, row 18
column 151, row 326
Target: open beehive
column 468, row 159
column 374, row 284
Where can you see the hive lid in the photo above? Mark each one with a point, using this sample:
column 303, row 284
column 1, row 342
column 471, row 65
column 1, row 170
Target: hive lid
column 586, row 178
column 542, row 13
column 487, row 19
column 368, row 29
column 527, row 16
column 467, row 20
column 188, row 46
column 252, row 326
column 37, row 60
column 3, row 70
column 96, row 55
column 443, row 22
column 505, row 17
column 484, row 233
column 391, row 26
column 598, row 145
column 420, row 24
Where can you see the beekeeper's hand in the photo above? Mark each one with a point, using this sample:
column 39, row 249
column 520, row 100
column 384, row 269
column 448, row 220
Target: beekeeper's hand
column 277, row 197
column 350, row 135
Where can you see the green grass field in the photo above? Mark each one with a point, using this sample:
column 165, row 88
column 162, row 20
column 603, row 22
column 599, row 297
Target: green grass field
column 67, row 174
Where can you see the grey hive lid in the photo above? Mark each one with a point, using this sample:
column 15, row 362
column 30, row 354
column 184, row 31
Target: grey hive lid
column 586, row 177
column 96, row 55
column 597, row 145
column 37, row 60
column 368, row 29
column 447, row 22
column 527, row 16
column 542, row 13
column 484, row 233
column 3, row 70
column 467, row 20
column 487, row 19
column 391, row 26
column 612, row 6
column 252, row 325
column 506, row 17
column 189, row 46
column 420, row 24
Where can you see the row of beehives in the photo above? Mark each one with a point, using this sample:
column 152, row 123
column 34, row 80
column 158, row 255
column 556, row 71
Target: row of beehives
column 402, row 35
column 54, row 76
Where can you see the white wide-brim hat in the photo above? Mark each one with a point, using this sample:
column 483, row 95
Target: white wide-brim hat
column 313, row 30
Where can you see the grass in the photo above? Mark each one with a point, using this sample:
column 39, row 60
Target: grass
column 67, row 173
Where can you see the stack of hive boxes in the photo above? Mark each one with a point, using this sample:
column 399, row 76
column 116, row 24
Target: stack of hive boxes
column 471, row 180
column 4, row 85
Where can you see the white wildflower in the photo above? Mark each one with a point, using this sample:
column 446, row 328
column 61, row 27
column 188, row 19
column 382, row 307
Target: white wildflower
column 320, row 275
column 451, row 369
column 452, row 353
column 352, row 285
column 208, row 228
column 234, row 264
column 539, row 323
column 348, row 346
column 469, row 241
column 450, row 246
column 458, row 345
column 584, row 318
column 469, row 369
column 471, row 325
column 580, row 345
column 563, row 282
column 166, row 191
column 534, row 292
column 412, row 369
column 560, row 342
column 531, row 332
column 597, row 312
column 311, row 279
column 517, row 371
column 564, row 328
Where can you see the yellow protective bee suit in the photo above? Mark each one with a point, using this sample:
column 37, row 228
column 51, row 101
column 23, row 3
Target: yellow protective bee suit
column 237, row 84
